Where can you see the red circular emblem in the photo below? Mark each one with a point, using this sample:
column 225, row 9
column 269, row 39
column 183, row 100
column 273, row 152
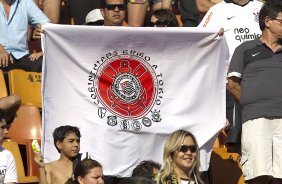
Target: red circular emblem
column 127, row 86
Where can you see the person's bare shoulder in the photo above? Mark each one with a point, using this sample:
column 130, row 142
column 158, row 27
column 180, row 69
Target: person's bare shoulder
column 58, row 173
column 50, row 165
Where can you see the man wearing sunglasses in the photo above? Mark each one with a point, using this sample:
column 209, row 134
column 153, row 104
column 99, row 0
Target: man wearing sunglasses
column 113, row 12
column 8, row 108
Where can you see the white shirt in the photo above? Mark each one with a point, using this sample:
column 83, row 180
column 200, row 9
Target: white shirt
column 240, row 23
column 8, row 170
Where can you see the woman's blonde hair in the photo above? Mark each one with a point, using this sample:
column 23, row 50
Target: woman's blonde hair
column 172, row 144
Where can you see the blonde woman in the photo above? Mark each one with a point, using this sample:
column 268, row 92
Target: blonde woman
column 181, row 160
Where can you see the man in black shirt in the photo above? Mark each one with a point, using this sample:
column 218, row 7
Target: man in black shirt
column 254, row 79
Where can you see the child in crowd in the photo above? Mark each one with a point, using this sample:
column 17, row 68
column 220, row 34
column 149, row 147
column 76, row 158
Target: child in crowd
column 67, row 142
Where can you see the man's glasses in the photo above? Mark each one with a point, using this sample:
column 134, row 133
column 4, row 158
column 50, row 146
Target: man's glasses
column 279, row 20
column 160, row 23
column 5, row 127
column 121, row 7
column 184, row 148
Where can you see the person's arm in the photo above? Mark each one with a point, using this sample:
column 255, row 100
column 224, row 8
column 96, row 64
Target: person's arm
column 166, row 4
column 42, row 176
column 235, row 72
column 136, row 14
column 52, row 9
column 204, row 5
column 5, row 57
column 234, row 87
column 38, row 158
column 35, row 15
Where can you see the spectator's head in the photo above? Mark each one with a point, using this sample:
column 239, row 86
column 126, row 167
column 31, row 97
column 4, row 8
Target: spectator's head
column 67, row 140
column 270, row 15
column 8, row 108
column 136, row 180
column 162, row 18
column 181, row 155
column 147, row 168
column 113, row 12
column 3, row 126
column 88, row 171
column 94, row 18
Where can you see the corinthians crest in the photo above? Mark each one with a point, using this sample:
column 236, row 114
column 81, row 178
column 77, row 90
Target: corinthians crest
column 126, row 92
column 125, row 86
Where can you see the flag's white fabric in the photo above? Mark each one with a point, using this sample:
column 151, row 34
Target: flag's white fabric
column 185, row 89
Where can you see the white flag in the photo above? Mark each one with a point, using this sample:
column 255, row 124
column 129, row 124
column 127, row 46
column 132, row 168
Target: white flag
column 128, row 88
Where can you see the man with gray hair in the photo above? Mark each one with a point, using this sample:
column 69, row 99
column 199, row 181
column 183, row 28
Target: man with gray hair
column 254, row 79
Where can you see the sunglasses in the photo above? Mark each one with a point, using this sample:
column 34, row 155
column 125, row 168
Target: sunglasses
column 3, row 127
column 184, row 148
column 121, row 7
column 160, row 23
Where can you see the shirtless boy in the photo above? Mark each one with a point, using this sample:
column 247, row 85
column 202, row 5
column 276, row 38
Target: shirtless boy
column 67, row 142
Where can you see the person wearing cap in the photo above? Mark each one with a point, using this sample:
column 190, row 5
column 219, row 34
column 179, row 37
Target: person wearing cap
column 113, row 12
column 94, row 18
column 8, row 108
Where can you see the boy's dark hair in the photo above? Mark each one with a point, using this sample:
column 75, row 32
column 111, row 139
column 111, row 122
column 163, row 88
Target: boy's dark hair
column 145, row 169
column 270, row 9
column 61, row 132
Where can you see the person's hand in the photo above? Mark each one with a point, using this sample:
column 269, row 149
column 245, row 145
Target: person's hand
column 38, row 158
column 5, row 57
column 227, row 124
column 35, row 56
column 37, row 32
column 221, row 31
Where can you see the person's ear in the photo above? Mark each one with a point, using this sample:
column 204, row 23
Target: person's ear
column 102, row 12
column 59, row 145
column 267, row 21
column 80, row 180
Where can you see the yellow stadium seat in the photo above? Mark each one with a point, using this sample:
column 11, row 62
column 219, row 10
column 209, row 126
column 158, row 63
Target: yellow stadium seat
column 27, row 85
column 3, row 87
column 14, row 148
